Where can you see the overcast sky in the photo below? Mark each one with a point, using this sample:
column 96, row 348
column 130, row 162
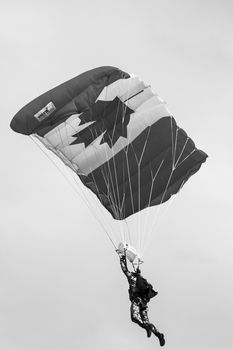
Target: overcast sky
column 60, row 283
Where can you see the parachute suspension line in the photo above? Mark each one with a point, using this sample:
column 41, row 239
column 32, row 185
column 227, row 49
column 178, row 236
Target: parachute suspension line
column 110, row 197
column 54, row 163
column 172, row 138
column 169, row 204
column 111, row 191
column 111, row 194
column 125, row 157
column 117, row 204
column 112, row 200
column 127, row 234
column 161, row 218
column 76, row 188
column 125, row 222
column 97, row 190
column 128, row 176
column 127, row 173
column 158, row 209
column 174, row 154
column 75, row 179
column 123, row 176
column 139, row 161
column 115, row 192
column 91, row 208
column 125, row 149
column 186, row 157
column 174, row 167
column 130, row 187
column 120, row 204
column 136, row 229
column 117, row 188
column 67, row 137
column 82, row 196
column 153, row 178
column 128, row 231
column 107, row 183
column 177, row 161
column 111, row 175
column 139, row 214
column 58, row 130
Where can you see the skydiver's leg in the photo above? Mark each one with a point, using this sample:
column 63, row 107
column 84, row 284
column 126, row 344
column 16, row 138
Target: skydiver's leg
column 144, row 317
column 135, row 312
column 144, row 314
column 159, row 335
column 150, row 326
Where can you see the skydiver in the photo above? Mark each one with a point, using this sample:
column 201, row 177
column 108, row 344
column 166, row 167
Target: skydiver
column 140, row 293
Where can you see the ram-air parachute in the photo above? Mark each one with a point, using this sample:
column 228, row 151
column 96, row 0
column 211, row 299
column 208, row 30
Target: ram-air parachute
column 117, row 136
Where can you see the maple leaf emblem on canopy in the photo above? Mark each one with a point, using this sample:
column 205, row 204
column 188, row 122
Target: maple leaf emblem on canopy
column 109, row 118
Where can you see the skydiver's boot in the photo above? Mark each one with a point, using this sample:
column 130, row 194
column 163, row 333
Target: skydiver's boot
column 159, row 335
column 148, row 329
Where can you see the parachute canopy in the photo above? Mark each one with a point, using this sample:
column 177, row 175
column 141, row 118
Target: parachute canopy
column 117, row 135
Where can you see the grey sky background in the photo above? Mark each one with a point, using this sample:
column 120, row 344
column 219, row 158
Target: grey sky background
column 60, row 282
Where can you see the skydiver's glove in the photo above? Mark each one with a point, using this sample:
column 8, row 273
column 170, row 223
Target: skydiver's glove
column 118, row 252
column 121, row 255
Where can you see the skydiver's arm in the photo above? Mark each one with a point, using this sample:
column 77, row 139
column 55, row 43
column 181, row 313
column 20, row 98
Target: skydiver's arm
column 124, row 267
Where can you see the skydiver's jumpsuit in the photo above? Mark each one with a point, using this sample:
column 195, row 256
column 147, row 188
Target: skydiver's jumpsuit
column 138, row 309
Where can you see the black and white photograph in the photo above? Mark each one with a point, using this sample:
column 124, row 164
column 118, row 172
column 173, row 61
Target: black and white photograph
column 116, row 191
